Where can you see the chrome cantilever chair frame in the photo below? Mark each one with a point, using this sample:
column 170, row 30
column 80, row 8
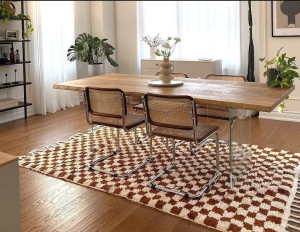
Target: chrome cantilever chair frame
column 92, row 164
column 199, row 145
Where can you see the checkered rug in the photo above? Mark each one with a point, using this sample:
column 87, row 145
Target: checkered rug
column 263, row 201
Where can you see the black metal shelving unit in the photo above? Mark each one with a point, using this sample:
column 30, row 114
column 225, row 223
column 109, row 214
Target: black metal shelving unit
column 21, row 104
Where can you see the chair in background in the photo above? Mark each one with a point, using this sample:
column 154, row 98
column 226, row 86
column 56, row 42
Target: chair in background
column 107, row 107
column 219, row 112
column 140, row 106
column 175, row 117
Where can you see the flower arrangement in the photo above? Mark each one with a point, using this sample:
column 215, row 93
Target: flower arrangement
column 166, row 48
column 152, row 42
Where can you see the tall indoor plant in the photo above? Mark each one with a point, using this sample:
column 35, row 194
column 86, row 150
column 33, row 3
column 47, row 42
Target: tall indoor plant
column 90, row 49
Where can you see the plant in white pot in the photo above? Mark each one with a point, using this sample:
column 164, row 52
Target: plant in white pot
column 90, row 49
column 153, row 43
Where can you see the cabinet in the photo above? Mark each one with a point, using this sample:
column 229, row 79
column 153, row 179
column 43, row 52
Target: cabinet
column 192, row 67
column 21, row 104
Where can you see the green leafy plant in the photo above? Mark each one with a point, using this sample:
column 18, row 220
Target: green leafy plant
column 286, row 73
column 286, row 69
column 89, row 49
column 7, row 14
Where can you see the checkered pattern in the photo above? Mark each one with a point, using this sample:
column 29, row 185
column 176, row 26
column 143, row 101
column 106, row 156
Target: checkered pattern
column 258, row 202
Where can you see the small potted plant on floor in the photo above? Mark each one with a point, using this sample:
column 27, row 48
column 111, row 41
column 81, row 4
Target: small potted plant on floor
column 280, row 72
column 90, row 49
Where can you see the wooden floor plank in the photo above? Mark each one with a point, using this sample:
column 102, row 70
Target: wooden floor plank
column 50, row 204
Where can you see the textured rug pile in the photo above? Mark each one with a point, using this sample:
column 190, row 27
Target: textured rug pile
column 266, row 200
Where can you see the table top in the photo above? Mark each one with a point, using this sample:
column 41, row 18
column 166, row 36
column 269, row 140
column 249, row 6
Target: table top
column 238, row 95
column 7, row 159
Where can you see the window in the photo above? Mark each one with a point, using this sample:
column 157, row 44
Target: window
column 208, row 29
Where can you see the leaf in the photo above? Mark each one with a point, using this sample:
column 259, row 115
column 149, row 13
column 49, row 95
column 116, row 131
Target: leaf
column 274, row 83
column 279, row 51
column 262, row 59
column 287, row 97
column 265, row 73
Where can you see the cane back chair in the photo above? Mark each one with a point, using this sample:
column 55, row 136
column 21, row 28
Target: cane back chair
column 175, row 117
column 107, row 107
column 140, row 106
column 219, row 112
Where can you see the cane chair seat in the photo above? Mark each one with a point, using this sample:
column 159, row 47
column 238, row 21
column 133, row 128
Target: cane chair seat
column 131, row 121
column 202, row 132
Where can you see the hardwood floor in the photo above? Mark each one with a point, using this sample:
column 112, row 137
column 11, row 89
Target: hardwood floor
column 50, row 204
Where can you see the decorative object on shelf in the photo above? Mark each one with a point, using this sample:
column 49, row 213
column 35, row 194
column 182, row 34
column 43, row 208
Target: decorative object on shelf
column 281, row 72
column 17, row 56
column 7, row 14
column 6, row 83
column 16, row 82
column 153, row 44
column 166, row 77
column 284, row 20
column 10, row 6
column 12, row 56
column 4, row 52
column 11, row 34
column 89, row 49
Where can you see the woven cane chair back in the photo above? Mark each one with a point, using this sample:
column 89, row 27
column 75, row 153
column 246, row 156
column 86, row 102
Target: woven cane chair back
column 170, row 111
column 106, row 102
column 175, row 74
column 225, row 77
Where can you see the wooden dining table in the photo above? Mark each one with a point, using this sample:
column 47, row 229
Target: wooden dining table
column 233, row 95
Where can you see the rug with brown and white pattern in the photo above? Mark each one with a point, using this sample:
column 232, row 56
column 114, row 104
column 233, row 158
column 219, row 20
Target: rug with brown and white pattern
column 263, row 201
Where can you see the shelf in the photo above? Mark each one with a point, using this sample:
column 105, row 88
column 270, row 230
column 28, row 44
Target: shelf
column 8, row 63
column 14, row 85
column 20, row 105
column 14, row 41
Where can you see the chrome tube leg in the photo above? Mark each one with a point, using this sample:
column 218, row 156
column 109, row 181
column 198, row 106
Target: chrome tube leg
column 92, row 164
column 191, row 147
column 167, row 143
column 135, row 110
column 217, row 154
column 92, row 147
column 118, row 139
column 135, row 136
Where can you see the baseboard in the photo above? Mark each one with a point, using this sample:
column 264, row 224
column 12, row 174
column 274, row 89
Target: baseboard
column 16, row 114
column 291, row 116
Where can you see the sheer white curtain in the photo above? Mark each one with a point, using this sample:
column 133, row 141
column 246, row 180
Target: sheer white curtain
column 208, row 29
column 54, row 33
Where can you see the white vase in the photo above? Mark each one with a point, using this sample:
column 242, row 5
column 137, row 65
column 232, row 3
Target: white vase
column 96, row 69
column 166, row 71
column 152, row 52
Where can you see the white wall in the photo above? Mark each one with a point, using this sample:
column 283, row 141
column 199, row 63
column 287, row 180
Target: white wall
column 269, row 47
column 126, row 36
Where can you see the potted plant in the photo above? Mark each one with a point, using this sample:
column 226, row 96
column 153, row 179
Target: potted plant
column 89, row 49
column 153, row 44
column 281, row 72
column 7, row 13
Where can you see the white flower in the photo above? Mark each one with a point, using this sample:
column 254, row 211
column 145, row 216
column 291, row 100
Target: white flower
column 169, row 38
column 166, row 45
column 177, row 39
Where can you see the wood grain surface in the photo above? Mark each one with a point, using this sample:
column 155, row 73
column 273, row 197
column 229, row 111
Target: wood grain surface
column 6, row 159
column 238, row 95
column 51, row 204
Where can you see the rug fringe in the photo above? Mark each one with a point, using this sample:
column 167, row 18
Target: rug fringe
column 295, row 216
column 293, row 227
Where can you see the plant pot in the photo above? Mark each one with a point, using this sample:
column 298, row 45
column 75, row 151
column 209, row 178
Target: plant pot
column 96, row 69
column 166, row 71
column 152, row 52
column 271, row 75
